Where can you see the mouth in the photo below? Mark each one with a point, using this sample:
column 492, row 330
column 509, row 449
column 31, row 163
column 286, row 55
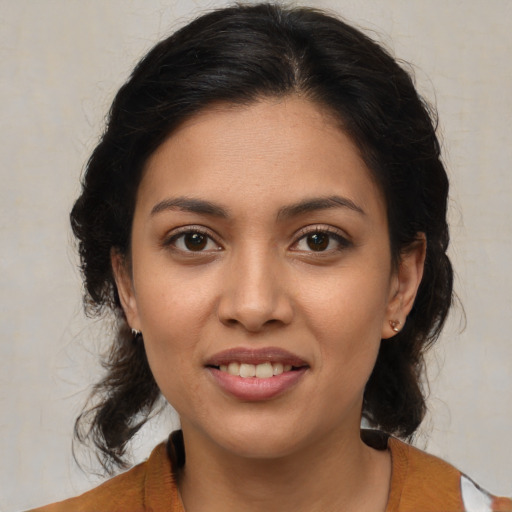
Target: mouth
column 256, row 374
column 265, row 370
column 262, row 363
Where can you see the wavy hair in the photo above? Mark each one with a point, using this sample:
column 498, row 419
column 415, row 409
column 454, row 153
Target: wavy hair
column 238, row 55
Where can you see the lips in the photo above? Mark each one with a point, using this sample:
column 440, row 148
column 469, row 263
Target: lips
column 256, row 356
column 261, row 371
column 256, row 374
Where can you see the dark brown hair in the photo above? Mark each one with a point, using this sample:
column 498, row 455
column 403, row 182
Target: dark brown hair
column 238, row 55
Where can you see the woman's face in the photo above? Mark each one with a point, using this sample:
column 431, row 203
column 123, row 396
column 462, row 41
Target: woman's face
column 260, row 245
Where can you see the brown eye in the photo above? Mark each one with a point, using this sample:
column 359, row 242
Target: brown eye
column 322, row 241
column 318, row 241
column 195, row 241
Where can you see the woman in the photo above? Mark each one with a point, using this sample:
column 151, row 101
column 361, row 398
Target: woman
column 266, row 216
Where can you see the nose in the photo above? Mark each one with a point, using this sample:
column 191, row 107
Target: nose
column 254, row 292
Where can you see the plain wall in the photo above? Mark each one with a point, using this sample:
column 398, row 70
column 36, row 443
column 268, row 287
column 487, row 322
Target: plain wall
column 63, row 60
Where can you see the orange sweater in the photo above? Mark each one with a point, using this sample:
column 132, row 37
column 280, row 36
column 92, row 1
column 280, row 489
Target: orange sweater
column 420, row 483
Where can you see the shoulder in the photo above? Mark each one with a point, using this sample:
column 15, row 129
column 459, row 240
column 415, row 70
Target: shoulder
column 149, row 485
column 425, row 483
column 113, row 495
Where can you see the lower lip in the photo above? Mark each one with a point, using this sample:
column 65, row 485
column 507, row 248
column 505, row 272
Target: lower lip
column 253, row 389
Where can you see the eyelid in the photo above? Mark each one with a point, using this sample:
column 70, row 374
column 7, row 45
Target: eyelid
column 174, row 234
column 338, row 234
column 341, row 237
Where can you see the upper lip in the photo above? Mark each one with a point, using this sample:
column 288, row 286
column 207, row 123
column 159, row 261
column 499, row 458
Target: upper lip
column 255, row 356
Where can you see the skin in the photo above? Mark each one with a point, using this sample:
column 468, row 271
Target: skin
column 257, row 282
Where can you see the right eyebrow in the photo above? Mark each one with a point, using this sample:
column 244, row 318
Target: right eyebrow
column 188, row 204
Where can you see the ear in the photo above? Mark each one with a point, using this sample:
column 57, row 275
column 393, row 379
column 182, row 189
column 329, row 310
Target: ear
column 124, row 283
column 405, row 283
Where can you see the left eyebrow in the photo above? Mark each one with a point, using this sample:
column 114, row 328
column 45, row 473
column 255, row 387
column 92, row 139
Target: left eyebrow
column 318, row 203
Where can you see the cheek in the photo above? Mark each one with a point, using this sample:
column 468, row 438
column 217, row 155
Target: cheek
column 169, row 323
column 347, row 302
column 347, row 319
column 174, row 306
column 170, row 341
column 173, row 302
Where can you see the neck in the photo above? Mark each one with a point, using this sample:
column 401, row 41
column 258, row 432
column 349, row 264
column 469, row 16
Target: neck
column 337, row 473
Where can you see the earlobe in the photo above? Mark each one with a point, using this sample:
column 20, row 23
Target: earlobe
column 405, row 287
column 124, row 283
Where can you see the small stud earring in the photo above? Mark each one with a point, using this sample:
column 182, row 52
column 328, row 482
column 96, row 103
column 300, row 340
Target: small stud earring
column 136, row 333
column 395, row 325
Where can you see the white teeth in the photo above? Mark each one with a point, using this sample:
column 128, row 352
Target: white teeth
column 233, row 369
column 277, row 368
column 264, row 371
column 247, row 370
column 261, row 371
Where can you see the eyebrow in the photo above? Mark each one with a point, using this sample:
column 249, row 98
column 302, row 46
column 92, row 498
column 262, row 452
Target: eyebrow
column 204, row 207
column 318, row 203
column 190, row 205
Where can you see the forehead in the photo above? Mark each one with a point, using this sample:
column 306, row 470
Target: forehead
column 273, row 151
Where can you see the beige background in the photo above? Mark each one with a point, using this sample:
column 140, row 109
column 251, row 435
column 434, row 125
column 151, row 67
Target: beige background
column 62, row 61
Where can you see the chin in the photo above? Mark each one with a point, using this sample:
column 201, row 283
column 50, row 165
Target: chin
column 257, row 438
column 262, row 445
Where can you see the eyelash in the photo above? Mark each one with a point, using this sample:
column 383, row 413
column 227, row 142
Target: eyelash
column 172, row 240
column 333, row 234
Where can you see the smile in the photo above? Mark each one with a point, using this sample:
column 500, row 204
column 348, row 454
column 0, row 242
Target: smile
column 260, row 371
column 256, row 374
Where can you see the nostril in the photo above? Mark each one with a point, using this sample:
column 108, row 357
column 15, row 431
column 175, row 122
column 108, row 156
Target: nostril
column 252, row 325
column 254, row 311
